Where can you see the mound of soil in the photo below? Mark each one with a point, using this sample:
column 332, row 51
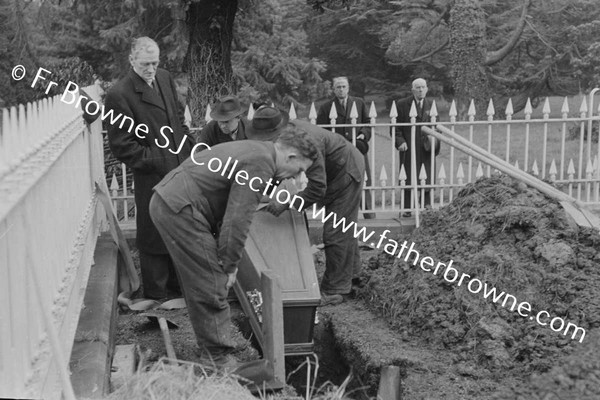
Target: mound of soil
column 510, row 237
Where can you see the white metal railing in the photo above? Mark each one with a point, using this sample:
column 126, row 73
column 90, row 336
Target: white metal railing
column 49, row 222
column 540, row 142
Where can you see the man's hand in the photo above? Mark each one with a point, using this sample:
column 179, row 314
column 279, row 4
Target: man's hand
column 276, row 208
column 360, row 137
column 403, row 147
column 231, row 279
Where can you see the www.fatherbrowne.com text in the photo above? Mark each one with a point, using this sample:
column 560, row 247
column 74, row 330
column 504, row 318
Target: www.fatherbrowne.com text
column 450, row 274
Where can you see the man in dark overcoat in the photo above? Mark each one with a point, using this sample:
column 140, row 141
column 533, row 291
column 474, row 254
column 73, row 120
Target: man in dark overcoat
column 343, row 106
column 152, row 145
column 227, row 123
column 423, row 147
column 335, row 181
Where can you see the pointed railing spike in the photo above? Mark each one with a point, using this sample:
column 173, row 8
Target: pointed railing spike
column 333, row 113
column 472, row 111
column 372, row 111
column 353, row 111
column 534, row 169
column 490, row 110
column 413, row 111
column 442, row 172
column 250, row 112
column 460, row 173
column 553, row 169
column 383, row 174
column 509, row 107
column 546, row 108
column 207, row 117
column 479, row 171
column 293, row 115
column 393, row 110
column 433, row 112
column 114, row 184
column 452, row 112
column 589, row 168
column 528, row 109
column 312, row 113
column 187, row 116
column 571, row 167
column 402, row 175
column 565, row 106
column 583, row 109
column 423, row 173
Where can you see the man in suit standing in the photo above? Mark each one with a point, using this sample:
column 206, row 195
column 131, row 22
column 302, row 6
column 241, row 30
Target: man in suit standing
column 343, row 106
column 423, row 148
column 157, row 145
column 227, row 123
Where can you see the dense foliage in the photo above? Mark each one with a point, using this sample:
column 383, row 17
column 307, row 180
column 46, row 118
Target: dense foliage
column 284, row 50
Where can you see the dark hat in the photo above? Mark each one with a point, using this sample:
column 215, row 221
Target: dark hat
column 226, row 108
column 267, row 123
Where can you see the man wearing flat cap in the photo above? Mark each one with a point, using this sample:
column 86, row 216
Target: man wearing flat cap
column 335, row 181
column 227, row 123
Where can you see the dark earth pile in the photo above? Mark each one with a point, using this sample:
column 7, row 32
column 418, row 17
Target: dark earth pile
column 523, row 243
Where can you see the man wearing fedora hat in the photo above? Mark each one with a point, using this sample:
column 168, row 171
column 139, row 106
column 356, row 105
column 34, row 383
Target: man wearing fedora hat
column 227, row 123
column 335, row 181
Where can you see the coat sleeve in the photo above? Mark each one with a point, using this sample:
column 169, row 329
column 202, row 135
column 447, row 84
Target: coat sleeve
column 363, row 115
column 317, row 183
column 241, row 207
column 401, row 130
column 126, row 146
column 323, row 114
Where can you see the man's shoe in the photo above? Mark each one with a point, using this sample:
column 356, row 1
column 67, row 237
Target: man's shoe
column 407, row 214
column 224, row 361
column 331, row 299
column 369, row 215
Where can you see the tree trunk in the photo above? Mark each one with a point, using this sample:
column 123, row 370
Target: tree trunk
column 468, row 54
column 208, row 58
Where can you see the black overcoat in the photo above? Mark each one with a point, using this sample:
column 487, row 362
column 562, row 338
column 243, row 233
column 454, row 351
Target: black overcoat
column 403, row 136
column 153, row 154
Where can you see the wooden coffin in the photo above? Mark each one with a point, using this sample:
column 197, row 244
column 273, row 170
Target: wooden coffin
column 281, row 244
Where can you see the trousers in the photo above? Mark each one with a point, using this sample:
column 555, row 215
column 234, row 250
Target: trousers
column 158, row 275
column 193, row 247
column 342, row 255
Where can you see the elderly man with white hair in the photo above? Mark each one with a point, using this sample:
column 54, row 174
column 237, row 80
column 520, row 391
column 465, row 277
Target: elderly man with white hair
column 423, row 148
